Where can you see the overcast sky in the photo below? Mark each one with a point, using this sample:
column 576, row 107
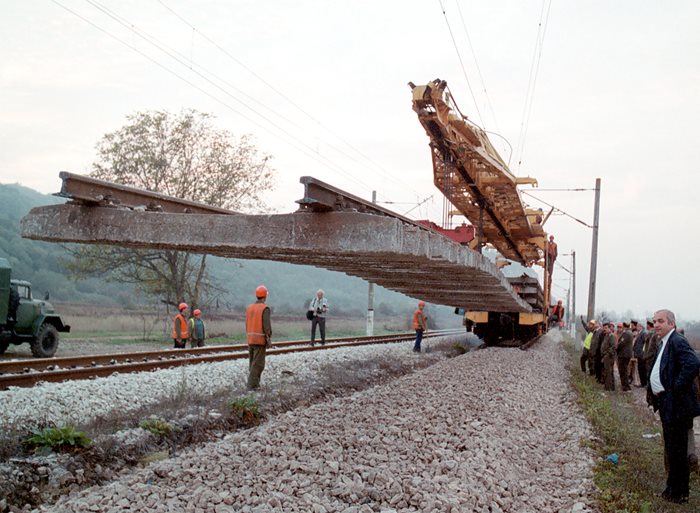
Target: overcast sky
column 322, row 87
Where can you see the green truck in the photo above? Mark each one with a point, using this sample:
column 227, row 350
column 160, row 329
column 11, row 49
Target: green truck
column 25, row 319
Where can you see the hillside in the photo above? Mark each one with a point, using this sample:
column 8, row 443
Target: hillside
column 291, row 286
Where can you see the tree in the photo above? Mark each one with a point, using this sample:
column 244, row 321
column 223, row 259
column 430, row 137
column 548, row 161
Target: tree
column 184, row 156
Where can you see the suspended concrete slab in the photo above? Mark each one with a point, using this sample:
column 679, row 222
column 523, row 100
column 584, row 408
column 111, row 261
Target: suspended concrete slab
column 384, row 250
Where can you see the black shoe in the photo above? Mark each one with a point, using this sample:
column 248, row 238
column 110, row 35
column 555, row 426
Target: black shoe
column 323, row 343
column 312, row 344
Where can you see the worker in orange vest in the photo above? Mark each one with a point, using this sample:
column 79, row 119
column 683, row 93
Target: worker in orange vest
column 258, row 334
column 180, row 331
column 420, row 324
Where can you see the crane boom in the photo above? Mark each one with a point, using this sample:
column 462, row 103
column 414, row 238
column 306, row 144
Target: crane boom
column 469, row 171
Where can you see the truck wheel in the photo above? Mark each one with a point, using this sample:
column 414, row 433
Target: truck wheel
column 46, row 341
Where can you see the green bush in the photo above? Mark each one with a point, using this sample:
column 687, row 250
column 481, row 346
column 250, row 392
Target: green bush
column 57, row 439
column 246, row 408
column 158, row 427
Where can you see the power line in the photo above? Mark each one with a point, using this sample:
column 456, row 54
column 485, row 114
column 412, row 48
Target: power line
column 558, row 209
column 461, row 63
column 478, row 68
column 532, row 80
column 228, row 54
column 309, row 151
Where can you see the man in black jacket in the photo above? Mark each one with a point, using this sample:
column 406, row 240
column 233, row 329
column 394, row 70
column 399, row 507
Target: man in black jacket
column 672, row 392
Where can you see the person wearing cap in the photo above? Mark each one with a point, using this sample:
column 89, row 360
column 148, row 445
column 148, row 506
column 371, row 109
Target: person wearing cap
column 180, row 331
column 638, row 350
column 608, row 352
column 586, row 353
column 197, row 329
column 420, row 324
column 671, row 392
column 650, row 347
column 624, row 355
column 258, row 331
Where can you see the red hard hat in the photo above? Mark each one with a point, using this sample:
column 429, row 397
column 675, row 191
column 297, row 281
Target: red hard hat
column 182, row 306
column 261, row 291
column 197, row 312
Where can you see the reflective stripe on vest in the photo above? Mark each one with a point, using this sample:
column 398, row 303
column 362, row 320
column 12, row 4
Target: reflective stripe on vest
column 183, row 327
column 254, row 324
column 587, row 341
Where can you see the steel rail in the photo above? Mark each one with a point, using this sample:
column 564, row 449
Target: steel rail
column 43, row 364
column 31, row 378
column 91, row 191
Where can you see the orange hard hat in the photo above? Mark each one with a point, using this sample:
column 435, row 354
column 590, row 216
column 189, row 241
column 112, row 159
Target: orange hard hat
column 197, row 312
column 182, row 306
column 261, row 291
column 421, row 303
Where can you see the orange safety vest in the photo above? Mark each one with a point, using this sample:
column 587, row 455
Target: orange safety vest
column 418, row 320
column 184, row 333
column 254, row 324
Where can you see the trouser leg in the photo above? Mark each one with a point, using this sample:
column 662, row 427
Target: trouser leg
column 623, row 366
column 584, row 359
column 676, row 446
column 419, row 338
column 314, row 322
column 256, row 365
column 609, row 375
column 642, row 371
column 322, row 329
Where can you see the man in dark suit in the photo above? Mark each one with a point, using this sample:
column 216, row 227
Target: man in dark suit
column 672, row 392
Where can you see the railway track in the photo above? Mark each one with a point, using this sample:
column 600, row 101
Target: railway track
column 26, row 373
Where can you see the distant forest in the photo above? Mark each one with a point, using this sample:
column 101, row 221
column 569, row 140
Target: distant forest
column 291, row 286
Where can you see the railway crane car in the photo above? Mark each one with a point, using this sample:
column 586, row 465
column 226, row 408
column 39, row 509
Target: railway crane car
column 474, row 178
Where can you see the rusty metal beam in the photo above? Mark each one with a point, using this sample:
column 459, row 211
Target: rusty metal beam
column 365, row 245
column 91, row 191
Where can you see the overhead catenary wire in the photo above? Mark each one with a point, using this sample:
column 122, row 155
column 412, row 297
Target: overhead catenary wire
column 557, row 209
column 461, row 63
column 301, row 145
column 532, row 80
column 291, row 102
column 478, row 68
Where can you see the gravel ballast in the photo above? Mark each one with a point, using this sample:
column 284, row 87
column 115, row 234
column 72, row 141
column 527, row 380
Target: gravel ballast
column 493, row 430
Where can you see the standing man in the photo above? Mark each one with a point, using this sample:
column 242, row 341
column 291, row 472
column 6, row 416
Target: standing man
column 673, row 394
column 197, row 330
column 258, row 334
column 319, row 307
column 624, row 356
column 586, row 353
column 596, row 354
column 608, row 352
column 180, row 332
column 638, row 350
column 420, row 324
column 552, row 253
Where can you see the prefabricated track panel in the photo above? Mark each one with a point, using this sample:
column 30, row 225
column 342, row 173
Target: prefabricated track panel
column 380, row 249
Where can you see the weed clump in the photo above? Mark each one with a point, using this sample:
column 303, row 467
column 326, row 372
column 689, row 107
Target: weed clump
column 61, row 439
column 246, row 409
column 158, row 427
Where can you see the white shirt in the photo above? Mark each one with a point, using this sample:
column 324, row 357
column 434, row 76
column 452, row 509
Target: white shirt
column 655, row 377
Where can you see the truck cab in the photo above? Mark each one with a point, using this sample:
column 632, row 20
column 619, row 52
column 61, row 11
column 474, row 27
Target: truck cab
column 24, row 319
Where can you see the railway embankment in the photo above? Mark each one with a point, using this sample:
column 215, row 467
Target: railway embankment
column 492, row 430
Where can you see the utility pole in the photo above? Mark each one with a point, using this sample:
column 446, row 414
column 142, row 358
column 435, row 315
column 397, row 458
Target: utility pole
column 370, row 294
column 594, row 253
column 573, row 286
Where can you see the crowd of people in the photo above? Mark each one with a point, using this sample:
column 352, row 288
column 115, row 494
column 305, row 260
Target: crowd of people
column 665, row 364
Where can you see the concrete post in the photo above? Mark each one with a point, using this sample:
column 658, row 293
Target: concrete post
column 370, row 294
column 594, row 253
